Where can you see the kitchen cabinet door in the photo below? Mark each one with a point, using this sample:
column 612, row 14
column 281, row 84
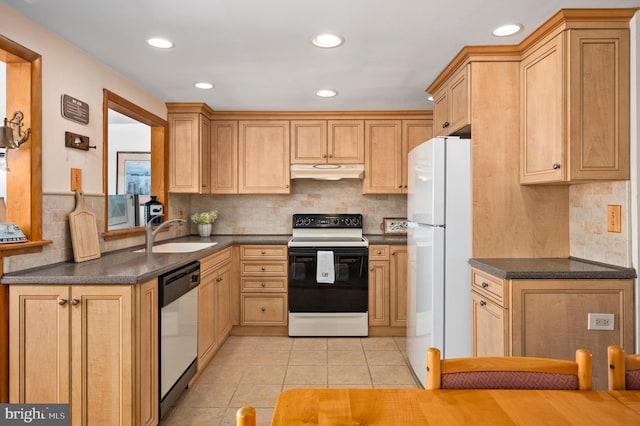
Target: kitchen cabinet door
column 378, row 293
column 189, row 153
column 383, row 153
column 82, row 345
column 414, row 132
column 224, row 157
column 490, row 331
column 223, row 305
column 575, row 108
column 398, row 286
column 452, row 105
column 264, row 157
column 309, row 142
column 207, row 304
column 345, row 141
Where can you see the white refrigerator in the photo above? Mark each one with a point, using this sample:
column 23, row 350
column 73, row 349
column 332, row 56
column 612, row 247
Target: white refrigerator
column 439, row 245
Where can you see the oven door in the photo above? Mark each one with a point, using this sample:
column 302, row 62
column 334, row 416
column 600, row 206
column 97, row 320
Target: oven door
column 349, row 291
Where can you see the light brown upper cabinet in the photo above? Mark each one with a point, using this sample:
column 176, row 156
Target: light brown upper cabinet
column 224, row 156
column 189, row 152
column 452, row 106
column 575, row 107
column 263, row 157
column 414, row 132
column 327, row 141
column 383, row 164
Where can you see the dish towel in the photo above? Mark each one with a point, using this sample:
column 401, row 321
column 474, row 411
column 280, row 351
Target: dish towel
column 325, row 272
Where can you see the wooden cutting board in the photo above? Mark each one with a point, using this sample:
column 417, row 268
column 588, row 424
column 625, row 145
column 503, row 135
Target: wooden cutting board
column 84, row 231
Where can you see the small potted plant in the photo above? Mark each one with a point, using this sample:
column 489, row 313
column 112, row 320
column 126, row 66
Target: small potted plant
column 205, row 220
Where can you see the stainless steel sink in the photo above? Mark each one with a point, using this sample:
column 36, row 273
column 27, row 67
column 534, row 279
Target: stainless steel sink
column 185, row 247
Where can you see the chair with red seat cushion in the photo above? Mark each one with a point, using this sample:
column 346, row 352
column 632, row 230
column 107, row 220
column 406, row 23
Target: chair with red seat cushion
column 624, row 370
column 508, row 372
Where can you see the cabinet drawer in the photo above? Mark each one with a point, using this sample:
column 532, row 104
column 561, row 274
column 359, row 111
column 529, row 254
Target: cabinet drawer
column 379, row 252
column 261, row 309
column 490, row 286
column 264, row 284
column 214, row 261
column 269, row 252
column 263, row 268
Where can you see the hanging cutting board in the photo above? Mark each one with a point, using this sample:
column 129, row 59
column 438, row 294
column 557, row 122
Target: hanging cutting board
column 84, row 231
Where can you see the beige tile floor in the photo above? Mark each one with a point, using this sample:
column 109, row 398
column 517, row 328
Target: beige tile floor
column 251, row 370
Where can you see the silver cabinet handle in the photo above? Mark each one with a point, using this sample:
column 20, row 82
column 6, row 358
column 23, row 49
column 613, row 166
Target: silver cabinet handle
column 62, row 302
column 555, row 166
column 74, row 301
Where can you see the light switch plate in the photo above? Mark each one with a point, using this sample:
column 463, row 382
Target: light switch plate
column 614, row 218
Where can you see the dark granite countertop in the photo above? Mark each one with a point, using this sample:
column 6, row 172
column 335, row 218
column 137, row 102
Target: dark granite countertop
column 126, row 267
column 386, row 239
column 551, row 268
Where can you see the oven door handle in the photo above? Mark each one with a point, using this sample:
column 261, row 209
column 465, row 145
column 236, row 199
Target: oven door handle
column 342, row 251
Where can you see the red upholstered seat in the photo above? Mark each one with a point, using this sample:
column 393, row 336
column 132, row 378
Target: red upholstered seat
column 508, row 372
column 508, row 380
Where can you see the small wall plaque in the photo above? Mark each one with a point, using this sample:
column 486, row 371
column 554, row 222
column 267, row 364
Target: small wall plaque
column 74, row 109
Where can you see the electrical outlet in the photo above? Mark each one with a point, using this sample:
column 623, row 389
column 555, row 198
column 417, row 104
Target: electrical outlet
column 600, row 321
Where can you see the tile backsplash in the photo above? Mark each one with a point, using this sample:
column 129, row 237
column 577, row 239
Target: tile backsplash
column 588, row 233
column 271, row 214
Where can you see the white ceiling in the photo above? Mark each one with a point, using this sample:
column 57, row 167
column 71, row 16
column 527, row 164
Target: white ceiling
column 258, row 53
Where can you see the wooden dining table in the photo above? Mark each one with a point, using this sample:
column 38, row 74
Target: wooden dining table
column 455, row 407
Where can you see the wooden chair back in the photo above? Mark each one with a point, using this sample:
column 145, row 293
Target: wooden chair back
column 508, row 372
column 246, row 416
column 624, row 370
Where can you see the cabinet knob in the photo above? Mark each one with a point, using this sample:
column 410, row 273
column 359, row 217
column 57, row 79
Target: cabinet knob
column 555, row 166
column 393, row 253
column 485, row 284
column 330, row 155
column 263, row 309
column 379, row 252
column 263, row 284
column 62, row 301
column 324, row 155
column 482, row 303
column 74, row 301
column 399, row 186
column 445, row 124
column 263, row 252
column 218, row 279
column 263, row 268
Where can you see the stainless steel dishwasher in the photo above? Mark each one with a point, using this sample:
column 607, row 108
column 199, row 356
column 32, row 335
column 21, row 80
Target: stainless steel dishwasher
column 178, row 327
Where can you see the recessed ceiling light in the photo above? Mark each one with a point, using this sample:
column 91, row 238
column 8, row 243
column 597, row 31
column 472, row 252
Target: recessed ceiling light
column 507, row 30
column 328, row 40
column 203, row 85
column 326, row 93
column 160, row 43
column 430, row 98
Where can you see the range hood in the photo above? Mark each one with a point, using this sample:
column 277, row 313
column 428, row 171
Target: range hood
column 327, row 171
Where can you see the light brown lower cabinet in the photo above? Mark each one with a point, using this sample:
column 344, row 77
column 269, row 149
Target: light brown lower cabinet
column 83, row 345
column 388, row 286
column 214, row 305
column 549, row 318
column 263, row 288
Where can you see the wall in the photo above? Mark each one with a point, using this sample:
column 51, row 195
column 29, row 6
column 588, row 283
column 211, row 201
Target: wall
column 68, row 70
column 271, row 214
column 588, row 222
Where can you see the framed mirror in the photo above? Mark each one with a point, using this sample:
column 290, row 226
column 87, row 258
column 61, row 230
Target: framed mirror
column 134, row 150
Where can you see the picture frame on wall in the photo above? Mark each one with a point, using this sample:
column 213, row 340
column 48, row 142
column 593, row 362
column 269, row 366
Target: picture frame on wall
column 133, row 172
column 394, row 226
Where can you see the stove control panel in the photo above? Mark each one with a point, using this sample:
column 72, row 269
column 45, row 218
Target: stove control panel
column 327, row 221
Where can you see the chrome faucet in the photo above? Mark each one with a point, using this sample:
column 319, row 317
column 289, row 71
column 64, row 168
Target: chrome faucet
column 150, row 234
